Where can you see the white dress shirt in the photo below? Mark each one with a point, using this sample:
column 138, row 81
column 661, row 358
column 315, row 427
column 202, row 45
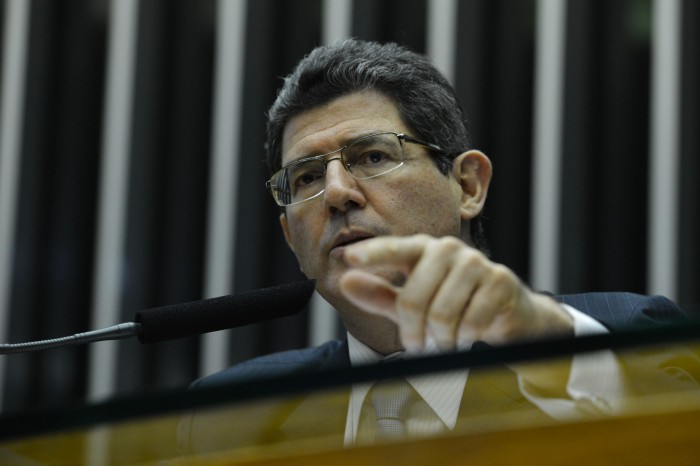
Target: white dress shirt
column 594, row 384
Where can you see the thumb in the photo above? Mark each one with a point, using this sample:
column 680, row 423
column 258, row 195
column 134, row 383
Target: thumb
column 370, row 293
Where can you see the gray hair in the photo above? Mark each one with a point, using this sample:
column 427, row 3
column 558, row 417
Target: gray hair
column 426, row 101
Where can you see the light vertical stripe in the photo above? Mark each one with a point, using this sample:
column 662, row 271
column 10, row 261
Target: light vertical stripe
column 337, row 25
column 323, row 321
column 97, row 446
column 223, row 201
column 442, row 35
column 14, row 69
column 664, row 175
column 337, row 20
column 111, row 228
column 547, row 120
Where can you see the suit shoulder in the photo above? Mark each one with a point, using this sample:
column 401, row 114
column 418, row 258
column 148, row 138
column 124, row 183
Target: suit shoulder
column 278, row 364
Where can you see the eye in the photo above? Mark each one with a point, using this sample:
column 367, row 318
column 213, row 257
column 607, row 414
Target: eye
column 306, row 178
column 372, row 157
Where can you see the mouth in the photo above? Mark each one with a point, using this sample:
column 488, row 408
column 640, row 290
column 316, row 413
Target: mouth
column 346, row 239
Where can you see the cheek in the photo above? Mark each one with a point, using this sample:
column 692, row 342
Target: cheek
column 304, row 240
column 431, row 208
column 296, row 238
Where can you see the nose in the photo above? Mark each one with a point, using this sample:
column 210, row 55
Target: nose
column 342, row 191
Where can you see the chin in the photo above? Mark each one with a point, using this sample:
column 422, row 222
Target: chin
column 391, row 274
column 329, row 286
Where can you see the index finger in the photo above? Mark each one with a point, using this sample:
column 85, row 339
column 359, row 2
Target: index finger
column 386, row 250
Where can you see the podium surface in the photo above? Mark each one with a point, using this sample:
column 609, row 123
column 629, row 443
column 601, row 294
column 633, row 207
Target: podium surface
column 248, row 423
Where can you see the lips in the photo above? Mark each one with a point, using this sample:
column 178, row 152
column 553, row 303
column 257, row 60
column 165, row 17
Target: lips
column 347, row 238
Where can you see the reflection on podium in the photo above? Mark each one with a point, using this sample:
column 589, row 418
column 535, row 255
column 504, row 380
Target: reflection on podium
column 651, row 416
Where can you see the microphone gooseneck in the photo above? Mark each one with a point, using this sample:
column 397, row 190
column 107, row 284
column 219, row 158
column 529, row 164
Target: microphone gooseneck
column 115, row 332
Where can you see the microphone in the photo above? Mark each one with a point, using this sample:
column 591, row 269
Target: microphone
column 209, row 315
column 193, row 318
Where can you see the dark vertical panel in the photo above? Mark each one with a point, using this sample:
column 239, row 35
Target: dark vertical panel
column 689, row 249
column 622, row 224
column 582, row 122
column 474, row 68
column 278, row 36
column 169, row 176
column 494, row 82
column 56, row 218
column 185, row 148
column 146, row 215
column 32, row 228
column 401, row 21
column 606, row 147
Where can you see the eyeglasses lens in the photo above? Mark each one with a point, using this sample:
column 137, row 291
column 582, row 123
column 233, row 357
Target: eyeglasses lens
column 364, row 158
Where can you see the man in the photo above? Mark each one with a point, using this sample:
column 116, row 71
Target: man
column 381, row 197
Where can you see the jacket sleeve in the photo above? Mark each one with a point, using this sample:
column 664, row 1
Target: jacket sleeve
column 618, row 311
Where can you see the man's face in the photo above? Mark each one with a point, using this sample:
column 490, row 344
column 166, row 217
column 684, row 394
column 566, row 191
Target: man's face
column 415, row 198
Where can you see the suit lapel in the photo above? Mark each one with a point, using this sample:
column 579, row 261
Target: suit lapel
column 322, row 413
column 491, row 391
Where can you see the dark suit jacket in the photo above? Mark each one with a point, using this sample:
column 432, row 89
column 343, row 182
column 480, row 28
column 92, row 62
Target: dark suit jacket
column 614, row 310
column 319, row 415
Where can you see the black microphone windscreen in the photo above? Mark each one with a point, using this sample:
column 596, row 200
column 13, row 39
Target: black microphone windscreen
column 209, row 315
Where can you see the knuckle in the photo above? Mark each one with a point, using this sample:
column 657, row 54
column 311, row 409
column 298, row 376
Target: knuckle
column 505, row 286
column 449, row 243
column 470, row 260
column 502, row 278
column 392, row 250
column 421, row 240
column 443, row 247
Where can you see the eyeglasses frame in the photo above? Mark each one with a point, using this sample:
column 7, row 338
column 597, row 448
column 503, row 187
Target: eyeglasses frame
column 403, row 138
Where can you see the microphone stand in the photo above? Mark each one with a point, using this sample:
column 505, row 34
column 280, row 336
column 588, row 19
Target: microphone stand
column 115, row 332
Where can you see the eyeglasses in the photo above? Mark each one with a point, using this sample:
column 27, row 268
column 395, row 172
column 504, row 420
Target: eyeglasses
column 367, row 157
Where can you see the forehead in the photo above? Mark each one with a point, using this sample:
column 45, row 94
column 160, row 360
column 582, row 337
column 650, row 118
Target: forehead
column 326, row 128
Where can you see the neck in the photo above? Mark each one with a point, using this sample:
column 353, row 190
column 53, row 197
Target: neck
column 376, row 332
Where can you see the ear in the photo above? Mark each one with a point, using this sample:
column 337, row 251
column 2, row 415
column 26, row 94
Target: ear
column 473, row 172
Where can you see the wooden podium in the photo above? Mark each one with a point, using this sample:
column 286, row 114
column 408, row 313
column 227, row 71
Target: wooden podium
column 661, row 438
column 651, row 439
column 659, row 427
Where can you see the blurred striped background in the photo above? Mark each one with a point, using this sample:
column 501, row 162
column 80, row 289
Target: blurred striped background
column 131, row 162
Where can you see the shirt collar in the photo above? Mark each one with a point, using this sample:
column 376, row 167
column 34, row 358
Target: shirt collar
column 442, row 391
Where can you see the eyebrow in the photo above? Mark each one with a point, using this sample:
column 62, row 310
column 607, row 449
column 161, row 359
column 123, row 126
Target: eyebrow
column 347, row 141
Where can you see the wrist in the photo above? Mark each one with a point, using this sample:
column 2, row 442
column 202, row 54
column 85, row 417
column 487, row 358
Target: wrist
column 553, row 320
